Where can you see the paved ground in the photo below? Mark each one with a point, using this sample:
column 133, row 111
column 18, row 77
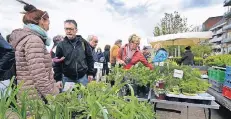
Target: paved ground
column 194, row 113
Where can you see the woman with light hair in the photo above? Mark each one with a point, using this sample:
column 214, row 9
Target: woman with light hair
column 160, row 54
column 130, row 54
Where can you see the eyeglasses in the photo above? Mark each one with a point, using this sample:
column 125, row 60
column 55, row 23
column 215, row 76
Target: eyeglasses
column 70, row 29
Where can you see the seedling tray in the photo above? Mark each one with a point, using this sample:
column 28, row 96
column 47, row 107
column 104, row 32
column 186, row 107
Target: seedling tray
column 202, row 98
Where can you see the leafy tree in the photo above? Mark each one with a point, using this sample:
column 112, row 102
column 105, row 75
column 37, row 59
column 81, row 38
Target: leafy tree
column 198, row 50
column 171, row 23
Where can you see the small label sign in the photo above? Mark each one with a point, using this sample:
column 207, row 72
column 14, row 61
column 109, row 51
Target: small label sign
column 68, row 86
column 109, row 65
column 178, row 73
column 98, row 65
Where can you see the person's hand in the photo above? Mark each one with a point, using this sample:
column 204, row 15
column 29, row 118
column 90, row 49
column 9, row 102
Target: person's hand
column 59, row 84
column 121, row 62
column 90, row 78
column 58, row 60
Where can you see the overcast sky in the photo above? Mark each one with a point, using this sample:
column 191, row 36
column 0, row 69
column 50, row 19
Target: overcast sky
column 110, row 19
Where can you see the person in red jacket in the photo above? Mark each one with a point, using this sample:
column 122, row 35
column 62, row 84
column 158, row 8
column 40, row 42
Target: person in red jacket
column 130, row 54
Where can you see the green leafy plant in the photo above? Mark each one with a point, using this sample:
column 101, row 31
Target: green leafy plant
column 189, row 87
column 218, row 60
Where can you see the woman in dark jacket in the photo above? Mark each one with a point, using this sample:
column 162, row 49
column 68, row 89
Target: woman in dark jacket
column 188, row 57
column 106, row 60
column 99, row 54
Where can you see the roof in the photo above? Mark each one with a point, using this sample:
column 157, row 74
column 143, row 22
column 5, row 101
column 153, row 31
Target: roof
column 219, row 24
column 212, row 18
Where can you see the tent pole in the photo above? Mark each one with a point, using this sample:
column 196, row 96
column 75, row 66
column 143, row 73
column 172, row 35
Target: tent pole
column 175, row 52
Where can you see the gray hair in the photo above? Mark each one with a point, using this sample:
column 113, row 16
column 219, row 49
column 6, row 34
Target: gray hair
column 118, row 41
column 90, row 37
column 71, row 21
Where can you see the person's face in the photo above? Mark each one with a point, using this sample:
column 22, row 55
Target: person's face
column 134, row 45
column 120, row 44
column 145, row 51
column 94, row 42
column 44, row 23
column 70, row 30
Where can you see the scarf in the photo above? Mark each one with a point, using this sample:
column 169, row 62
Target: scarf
column 130, row 52
column 40, row 31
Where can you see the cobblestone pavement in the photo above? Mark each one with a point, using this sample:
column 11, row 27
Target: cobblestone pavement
column 193, row 113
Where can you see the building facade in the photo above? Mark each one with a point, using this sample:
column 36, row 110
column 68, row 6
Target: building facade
column 218, row 36
column 226, row 42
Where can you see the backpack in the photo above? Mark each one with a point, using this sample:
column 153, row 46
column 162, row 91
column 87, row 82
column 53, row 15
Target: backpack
column 8, row 63
column 161, row 55
column 104, row 58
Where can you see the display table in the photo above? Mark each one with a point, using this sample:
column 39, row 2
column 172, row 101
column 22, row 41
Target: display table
column 220, row 98
column 213, row 105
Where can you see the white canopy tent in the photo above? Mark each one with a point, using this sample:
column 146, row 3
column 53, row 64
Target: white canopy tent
column 189, row 38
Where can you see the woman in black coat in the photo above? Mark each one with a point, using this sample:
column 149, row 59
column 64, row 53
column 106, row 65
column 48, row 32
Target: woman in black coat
column 188, row 57
column 106, row 54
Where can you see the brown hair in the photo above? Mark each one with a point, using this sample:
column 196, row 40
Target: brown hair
column 107, row 47
column 32, row 14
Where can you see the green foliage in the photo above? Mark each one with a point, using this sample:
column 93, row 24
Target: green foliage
column 190, row 84
column 198, row 61
column 7, row 97
column 200, row 50
column 171, row 23
column 138, row 74
column 203, row 86
column 96, row 101
column 218, row 60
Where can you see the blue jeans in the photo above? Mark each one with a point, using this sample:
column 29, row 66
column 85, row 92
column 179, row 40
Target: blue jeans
column 83, row 80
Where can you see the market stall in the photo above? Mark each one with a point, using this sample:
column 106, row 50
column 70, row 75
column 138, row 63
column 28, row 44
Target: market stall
column 186, row 39
column 168, row 84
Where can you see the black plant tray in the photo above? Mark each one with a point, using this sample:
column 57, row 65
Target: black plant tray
column 197, row 99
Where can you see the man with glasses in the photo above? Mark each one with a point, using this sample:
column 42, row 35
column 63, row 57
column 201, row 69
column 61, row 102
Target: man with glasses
column 78, row 65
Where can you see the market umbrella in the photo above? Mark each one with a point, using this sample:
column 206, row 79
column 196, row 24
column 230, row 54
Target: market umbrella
column 186, row 39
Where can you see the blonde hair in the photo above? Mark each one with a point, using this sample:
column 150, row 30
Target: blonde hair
column 157, row 46
column 134, row 38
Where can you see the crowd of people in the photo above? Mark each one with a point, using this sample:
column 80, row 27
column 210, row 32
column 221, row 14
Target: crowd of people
column 71, row 59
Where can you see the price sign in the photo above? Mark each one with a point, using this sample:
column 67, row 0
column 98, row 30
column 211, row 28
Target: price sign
column 68, row 86
column 98, row 65
column 178, row 73
column 109, row 65
column 161, row 64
